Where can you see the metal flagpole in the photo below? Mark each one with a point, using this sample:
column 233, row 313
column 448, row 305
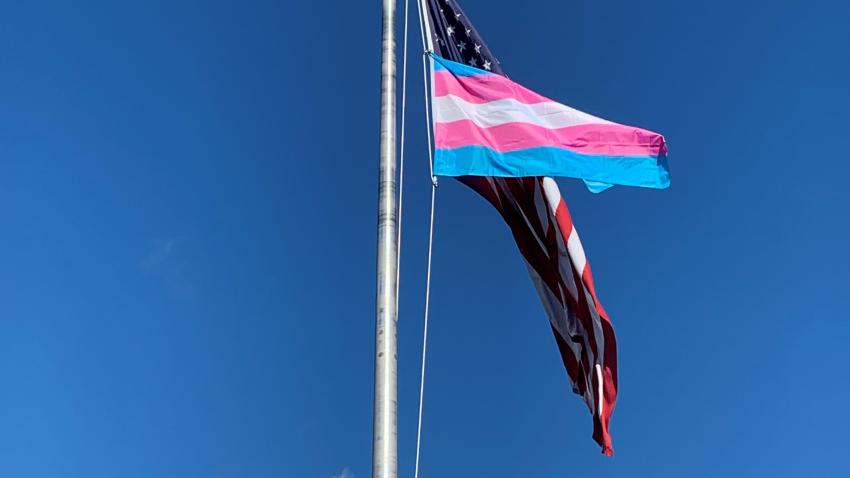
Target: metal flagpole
column 384, row 433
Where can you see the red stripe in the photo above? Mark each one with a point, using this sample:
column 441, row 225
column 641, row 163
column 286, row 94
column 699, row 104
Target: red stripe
column 563, row 216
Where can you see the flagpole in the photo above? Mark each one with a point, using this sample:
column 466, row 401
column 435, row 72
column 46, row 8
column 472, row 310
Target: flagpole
column 384, row 431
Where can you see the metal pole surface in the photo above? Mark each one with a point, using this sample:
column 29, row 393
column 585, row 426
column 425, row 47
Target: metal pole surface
column 385, row 425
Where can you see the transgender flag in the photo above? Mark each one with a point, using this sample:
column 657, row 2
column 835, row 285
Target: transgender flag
column 487, row 125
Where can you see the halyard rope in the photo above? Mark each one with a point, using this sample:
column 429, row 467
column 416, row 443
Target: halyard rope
column 425, row 57
column 401, row 160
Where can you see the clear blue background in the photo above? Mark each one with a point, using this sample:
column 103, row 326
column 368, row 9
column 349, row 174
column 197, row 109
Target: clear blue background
column 188, row 193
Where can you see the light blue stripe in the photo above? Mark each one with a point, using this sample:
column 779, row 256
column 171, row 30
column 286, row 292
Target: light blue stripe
column 456, row 68
column 641, row 171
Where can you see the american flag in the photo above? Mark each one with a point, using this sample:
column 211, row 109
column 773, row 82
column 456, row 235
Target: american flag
column 541, row 224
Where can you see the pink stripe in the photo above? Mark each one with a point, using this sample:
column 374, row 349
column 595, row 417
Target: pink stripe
column 483, row 88
column 602, row 138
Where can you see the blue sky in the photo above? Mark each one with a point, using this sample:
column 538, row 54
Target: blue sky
column 188, row 195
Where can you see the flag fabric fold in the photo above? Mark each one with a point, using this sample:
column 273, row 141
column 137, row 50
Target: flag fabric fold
column 540, row 222
column 487, row 125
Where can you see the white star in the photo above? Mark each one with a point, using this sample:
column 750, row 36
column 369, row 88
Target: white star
column 468, row 31
column 461, row 46
column 486, row 65
column 473, row 62
column 457, row 16
column 450, row 30
column 477, row 48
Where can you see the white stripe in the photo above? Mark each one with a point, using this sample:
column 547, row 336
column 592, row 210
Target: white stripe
column 552, row 193
column 548, row 115
column 574, row 247
column 599, row 379
column 576, row 251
